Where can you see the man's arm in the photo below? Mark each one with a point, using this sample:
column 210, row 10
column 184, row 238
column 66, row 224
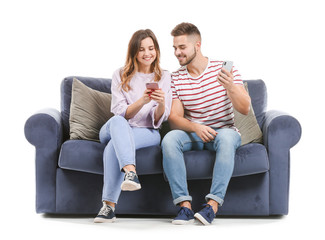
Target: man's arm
column 239, row 97
column 177, row 121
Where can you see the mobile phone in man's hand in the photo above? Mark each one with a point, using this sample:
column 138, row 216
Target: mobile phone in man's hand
column 227, row 65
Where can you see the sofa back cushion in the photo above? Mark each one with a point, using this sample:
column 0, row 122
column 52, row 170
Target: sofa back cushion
column 256, row 88
column 258, row 93
column 89, row 111
column 100, row 84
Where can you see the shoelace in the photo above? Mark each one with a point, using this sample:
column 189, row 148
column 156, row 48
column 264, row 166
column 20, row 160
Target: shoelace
column 105, row 210
column 130, row 175
column 209, row 210
column 184, row 210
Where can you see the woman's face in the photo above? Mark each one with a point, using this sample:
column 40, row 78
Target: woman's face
column 147, row 53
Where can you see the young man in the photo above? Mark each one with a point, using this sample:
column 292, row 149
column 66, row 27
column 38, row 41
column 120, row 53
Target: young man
column 204, row 95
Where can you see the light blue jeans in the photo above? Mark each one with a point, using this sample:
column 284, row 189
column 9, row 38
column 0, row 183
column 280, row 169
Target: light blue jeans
column 176, row 142
column 122, row 142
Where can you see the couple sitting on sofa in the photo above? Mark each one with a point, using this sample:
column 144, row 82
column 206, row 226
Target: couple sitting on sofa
column 198, row 101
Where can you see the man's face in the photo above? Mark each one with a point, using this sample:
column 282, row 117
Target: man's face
column 184, row 49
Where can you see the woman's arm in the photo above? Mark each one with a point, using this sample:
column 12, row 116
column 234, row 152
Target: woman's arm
column 159, row 97
column 135, row 107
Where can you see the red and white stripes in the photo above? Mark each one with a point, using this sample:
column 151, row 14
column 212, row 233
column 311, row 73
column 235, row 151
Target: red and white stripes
column 205, row 100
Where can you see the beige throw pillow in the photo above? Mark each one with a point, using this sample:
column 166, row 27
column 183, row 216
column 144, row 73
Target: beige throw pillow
column 247, row 125
column 89, row 111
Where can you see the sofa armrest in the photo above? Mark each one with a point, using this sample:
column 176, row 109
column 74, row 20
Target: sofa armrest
column 280, row 133
column 280, row 130
column 44, row 130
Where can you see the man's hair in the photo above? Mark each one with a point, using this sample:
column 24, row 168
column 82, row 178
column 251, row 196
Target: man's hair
column 185, row 29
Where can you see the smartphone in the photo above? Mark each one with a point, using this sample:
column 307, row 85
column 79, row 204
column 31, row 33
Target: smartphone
column 152, row 85
column 227, row 65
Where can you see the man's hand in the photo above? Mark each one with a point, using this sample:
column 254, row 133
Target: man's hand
column 177, row 121
column 226, row 79
column 236, row 92
column 206, row 133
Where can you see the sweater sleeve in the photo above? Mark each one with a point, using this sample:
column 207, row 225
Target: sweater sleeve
column 119, row 103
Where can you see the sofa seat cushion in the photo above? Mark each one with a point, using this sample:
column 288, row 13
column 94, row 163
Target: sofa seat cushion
column 250, row 159
column 87, row 156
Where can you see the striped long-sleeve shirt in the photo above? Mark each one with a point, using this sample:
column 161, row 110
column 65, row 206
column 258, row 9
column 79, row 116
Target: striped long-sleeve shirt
column 205, row 100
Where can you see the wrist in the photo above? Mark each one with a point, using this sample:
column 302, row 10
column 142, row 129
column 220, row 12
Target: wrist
column 160, row 109
column 232, row 88
column 195, row 127
column 161, row 105
column 142, row 101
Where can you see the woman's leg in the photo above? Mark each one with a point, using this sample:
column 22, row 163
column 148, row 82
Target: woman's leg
column 120, row 152
column 143, row 137
column 118, row 131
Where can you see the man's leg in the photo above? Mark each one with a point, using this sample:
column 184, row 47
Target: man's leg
column 225, row 144
column 174, row 144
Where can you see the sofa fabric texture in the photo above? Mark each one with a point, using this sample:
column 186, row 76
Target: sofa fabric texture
column 247, row 125
column 89, row 111
column 69, row 172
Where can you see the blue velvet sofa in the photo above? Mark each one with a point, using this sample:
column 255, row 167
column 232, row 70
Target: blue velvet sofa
column 69, row 176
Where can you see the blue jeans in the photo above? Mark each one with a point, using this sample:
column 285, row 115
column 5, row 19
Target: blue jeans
column 176, row 142
column 122, row 142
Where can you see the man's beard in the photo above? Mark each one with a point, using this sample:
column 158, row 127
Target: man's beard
column 190, row 59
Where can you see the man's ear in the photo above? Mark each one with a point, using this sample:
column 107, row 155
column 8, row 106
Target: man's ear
column 198, row 45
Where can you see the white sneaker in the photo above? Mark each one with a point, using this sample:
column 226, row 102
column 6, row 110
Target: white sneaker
column 105, row 215
column 131, row 182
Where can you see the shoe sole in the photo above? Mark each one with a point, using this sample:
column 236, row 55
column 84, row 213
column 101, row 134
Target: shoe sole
column 130, row 186
column 201, row 219
column 182, row 222
column 103, row 220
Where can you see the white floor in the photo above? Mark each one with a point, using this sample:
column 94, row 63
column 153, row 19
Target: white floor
column 63, row 227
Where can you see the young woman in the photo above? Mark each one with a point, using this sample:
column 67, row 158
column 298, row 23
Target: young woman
column 139, row 111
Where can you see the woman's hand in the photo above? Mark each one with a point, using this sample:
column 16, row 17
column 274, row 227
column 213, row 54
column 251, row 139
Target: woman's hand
column 146, row 97
column 158, row 95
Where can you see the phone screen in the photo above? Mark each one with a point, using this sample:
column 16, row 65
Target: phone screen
column 154, row 86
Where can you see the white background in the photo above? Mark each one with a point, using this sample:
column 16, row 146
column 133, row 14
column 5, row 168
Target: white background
column 281, row 42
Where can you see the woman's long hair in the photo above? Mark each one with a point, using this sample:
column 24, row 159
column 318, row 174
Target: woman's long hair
column 131, row 64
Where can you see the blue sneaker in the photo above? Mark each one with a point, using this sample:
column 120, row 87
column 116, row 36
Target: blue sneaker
column 106, row 214
column 131, row 182
column 206, row 215
column 184, row 216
